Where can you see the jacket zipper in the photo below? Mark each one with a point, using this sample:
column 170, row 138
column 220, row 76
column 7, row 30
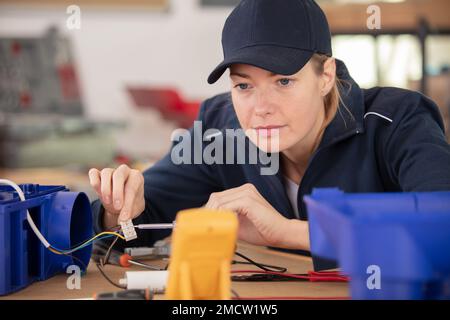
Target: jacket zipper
column 302, row 182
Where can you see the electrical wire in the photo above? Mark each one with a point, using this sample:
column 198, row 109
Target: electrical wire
column 104, row 261
column 80, row 262
column 313, row 276
column 84, row 242
column 236, row 295
column 102, row 235
column 39, row 234
column 30, row 221
column 108, row 253
column 107, row 278
column 265, row 267
column 80, row 246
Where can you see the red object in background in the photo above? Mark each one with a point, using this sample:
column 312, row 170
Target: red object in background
column 122, row 159
column 68, row 82
column 25, row 100
column 16, row 48
column 168, row 102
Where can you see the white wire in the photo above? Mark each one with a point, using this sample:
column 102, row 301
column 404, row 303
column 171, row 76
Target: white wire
column 29, row 219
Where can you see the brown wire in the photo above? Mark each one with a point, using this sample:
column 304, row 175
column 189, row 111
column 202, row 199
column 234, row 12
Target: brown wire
column 105, row 260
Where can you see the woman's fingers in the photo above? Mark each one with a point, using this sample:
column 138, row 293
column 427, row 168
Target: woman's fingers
column 133, row 194
column 119, row 178
column 216, row 199
column 94, row 180
column 259, row 222
column 127, row 208
column 237, row 203
column 105, row 188
column 121, row 192
column 248, row 230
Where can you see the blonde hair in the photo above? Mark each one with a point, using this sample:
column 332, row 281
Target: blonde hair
column 333, row 99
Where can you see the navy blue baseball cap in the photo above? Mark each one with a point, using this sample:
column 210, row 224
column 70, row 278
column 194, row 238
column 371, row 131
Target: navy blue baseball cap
column 276, row 35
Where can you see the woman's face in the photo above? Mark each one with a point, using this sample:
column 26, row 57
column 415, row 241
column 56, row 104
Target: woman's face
column 274, row 107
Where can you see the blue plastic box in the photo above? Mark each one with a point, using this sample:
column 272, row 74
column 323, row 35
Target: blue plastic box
column 405, row 235
column 63, row 217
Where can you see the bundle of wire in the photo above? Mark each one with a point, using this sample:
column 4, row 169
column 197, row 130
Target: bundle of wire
column 102, row 235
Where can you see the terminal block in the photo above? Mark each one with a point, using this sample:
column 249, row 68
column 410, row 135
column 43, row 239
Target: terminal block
column 128, row 230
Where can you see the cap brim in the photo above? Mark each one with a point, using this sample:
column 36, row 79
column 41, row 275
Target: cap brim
column 279, row 60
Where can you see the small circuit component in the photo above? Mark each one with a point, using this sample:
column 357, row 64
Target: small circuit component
column 160, row 249
column 128, row 230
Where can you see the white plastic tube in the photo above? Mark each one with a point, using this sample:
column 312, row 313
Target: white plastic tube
column 29, row 219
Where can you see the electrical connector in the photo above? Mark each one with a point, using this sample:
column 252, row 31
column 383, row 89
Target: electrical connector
column 128, row 230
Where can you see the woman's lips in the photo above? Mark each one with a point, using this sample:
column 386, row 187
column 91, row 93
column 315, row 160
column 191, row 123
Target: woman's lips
column 268, row 131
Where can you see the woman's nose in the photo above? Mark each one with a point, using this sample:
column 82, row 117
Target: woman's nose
column 263, row 105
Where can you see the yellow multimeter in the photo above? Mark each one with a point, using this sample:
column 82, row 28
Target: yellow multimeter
column 203, row 244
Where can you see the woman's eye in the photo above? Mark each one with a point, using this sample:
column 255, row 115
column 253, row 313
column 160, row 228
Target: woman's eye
column 284, row 82
column 242, row 86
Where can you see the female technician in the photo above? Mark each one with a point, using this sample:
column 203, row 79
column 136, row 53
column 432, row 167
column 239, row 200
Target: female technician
column 286, row 85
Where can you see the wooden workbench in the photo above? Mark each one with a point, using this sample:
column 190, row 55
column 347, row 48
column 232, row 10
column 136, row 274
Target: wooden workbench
column 93, row 282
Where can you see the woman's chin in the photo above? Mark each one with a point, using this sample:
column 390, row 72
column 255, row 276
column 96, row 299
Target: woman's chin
column 270, row 145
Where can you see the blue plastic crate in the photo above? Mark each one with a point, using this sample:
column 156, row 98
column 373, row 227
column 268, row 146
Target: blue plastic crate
column 406, row 235
column 63, row 217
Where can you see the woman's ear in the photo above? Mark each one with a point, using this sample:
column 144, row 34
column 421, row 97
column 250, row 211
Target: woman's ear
column 328, row 76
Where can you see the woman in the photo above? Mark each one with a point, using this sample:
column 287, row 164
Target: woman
column 286, row 86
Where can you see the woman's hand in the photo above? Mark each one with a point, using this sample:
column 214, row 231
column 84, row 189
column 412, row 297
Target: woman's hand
column 259, row 222
column 121, row 192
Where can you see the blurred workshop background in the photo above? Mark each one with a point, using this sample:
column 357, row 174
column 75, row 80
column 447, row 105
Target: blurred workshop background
column 114, row 90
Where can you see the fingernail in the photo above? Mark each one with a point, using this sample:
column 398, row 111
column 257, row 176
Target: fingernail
column 117, row 204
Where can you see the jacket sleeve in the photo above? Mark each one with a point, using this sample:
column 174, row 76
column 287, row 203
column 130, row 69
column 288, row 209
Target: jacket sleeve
column 168, row 188
column 417, row 152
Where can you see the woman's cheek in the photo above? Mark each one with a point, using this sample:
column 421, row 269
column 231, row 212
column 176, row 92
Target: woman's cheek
column 301, row 122
column 244, row 116
column 244, row 120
